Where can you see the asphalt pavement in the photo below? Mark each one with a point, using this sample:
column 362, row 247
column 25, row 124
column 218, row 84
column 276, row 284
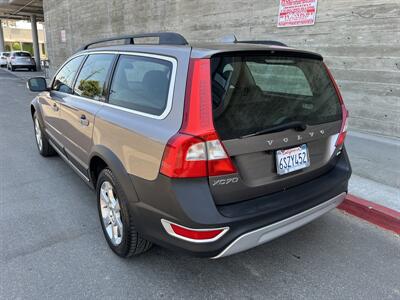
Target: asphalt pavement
column 52, row 246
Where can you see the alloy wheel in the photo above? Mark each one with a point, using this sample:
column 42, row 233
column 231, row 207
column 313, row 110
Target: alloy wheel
column 38, row 135
column 111, row 213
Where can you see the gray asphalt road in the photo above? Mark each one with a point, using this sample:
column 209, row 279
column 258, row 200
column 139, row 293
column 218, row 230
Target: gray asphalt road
column 52, row 245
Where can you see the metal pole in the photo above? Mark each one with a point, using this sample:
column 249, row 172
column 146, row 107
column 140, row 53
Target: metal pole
column 35, row 41
column 2, row 47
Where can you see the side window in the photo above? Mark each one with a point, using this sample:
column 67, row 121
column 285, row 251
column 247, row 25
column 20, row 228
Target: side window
column 141, row 83
column 93, row 75
column 65, row 77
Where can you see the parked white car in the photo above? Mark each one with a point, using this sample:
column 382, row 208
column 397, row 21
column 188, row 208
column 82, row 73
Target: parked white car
column 21, row 60
column 3, row 58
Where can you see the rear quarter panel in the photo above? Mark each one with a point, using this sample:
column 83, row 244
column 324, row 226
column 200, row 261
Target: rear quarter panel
column 139, row 141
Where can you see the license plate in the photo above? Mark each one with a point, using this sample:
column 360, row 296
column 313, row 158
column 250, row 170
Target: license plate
column 293, row 159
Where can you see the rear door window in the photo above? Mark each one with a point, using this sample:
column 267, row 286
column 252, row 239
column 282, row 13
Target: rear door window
column 141, row 84
column 22, row 54
column 254, row 93
column 65, row 77
column 92, row 77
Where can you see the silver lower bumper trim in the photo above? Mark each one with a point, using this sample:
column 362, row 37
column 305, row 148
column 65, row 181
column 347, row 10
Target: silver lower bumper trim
column 265, row 234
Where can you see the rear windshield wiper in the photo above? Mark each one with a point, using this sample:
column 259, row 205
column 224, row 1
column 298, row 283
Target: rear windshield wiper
column 299, row 126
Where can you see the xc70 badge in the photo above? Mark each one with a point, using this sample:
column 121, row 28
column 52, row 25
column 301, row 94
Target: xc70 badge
column 225, row 181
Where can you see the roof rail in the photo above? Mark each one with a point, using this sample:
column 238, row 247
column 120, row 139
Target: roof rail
column 232, row 39
column 165, row 38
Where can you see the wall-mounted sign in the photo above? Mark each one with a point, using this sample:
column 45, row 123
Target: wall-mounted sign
column 63, row 36
column 297, row 13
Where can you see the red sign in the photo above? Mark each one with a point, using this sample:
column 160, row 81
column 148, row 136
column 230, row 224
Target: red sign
column 297, row 13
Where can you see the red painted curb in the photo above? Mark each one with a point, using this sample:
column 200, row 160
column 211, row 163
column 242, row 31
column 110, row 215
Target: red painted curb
column 372, row 212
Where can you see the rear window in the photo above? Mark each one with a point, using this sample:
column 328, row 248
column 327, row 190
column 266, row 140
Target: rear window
column 254, row 93
column 141, row 84
column 22, row 54
column 6, row 54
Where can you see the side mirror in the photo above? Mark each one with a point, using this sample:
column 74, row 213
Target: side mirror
column 37, row 84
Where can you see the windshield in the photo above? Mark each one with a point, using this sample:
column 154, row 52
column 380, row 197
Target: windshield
column 254, row 93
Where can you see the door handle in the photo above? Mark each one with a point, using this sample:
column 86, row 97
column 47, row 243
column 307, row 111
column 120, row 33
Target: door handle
column 84, row 121
column 55, row 107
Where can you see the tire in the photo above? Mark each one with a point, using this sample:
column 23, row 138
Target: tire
column 42, row 143
column 116, row 219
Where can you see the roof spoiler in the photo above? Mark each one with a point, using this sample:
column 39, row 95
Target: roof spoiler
column 164, row 38
column 233, row 40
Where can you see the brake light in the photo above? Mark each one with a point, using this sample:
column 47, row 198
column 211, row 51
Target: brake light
column 345, row 112
column 196, row 150
column 182, row 158
column 343, row 130
column 193, row 235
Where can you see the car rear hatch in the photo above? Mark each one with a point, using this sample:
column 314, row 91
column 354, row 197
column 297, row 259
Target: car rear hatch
column 255, row 123
column 22, row 58
column 279, row 116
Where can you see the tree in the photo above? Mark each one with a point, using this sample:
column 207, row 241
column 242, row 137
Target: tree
column 16, row 46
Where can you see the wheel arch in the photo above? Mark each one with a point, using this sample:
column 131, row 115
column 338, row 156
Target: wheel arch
column 35, row 107
column 102, row 157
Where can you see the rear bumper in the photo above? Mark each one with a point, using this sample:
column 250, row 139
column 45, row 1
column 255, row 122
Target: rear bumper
column 265, row 234
column 22, row 65
column 189, row 202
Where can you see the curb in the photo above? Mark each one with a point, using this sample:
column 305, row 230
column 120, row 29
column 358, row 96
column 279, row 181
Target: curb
column 374, row 213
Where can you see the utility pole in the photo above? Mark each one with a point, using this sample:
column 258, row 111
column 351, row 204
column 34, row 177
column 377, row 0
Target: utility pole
column 35, row 41
column 2, row 44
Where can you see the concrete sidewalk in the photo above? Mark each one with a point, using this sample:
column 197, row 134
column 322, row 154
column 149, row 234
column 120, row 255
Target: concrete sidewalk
column 376, row 168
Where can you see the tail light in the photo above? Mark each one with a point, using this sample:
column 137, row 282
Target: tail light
column 196, row 150
column 343, row 130
column 345, row 112
column 12, row 57
column 193, row 235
